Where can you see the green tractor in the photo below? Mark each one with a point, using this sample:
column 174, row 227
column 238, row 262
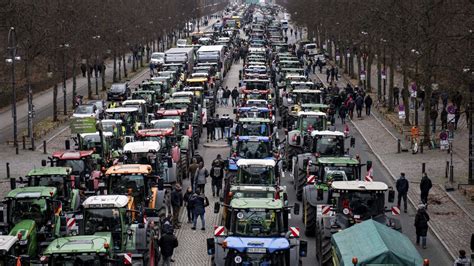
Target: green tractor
column 318, row 185
column 256, row 232
column 352, row 203
column 32, row 214
column 298, row 140
column 320, row 144
column 109, row 234
column 10, row 251
column 100, row 143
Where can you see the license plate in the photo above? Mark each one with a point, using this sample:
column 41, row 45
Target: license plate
column 256, row 250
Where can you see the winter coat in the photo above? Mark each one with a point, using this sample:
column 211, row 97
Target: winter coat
column 199, row 203
column 425, row 185
column 168, row 243
column 187, row 197
column 368, row 101
column 359, row 102
column 201, row 175
column 434, row 114
column 402, row 185
column 176, row 198
column 235, row 94
column 421, row 222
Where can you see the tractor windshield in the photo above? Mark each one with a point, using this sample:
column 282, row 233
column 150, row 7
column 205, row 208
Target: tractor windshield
column 75, row 260
column 367, row 204
column 254, row 114
column 31, row 208
column 256, row 175
column 102, row 220
column 50, row 181
column 329, row 146
column 133, row 185
column 254, row 129
column 308, row 98
column 254, row 149
column 261, row 222
column 78, row 166
column 312, row 123
column 339, row 173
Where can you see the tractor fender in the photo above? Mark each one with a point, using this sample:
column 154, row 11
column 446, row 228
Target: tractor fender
column 184, row 143
column 172, row 173
column 160, row 199
column 141, row 240
column 75, row 200
column 175, row 154
column 310, row 195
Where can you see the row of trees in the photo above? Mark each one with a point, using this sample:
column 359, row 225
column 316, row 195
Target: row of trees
column 429, row 41
column 59, row 35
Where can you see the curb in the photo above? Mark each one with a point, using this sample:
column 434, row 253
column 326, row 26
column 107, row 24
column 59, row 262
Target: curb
column 215, row 146
column 412, row 202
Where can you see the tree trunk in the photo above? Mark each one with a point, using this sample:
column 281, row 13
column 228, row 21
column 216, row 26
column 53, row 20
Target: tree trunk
column 368, row 72
column 405, row 97
column 391, row 82
column 74, row 82
column 133, row 62
column 351, row 68
column 114, row 77
column 89, row 84
column 427, row 105
column 359, row 65
column 55, row 102
column 379, row 76
column 125, row 74
column 119, row 69
column 103, row 75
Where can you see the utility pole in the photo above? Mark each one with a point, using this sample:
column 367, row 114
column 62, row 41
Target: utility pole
column 31, row 107
column 13, row 58
column 470, row 77
column 64, row 46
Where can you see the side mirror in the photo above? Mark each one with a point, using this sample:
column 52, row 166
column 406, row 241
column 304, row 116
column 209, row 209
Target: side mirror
column 43, row 162
column 169, row 161
column 67, row 144
column 296, row 209
column 303, row 248
column 217, row 207
column 353, row 142
column 12, row 183
column 210, row 246
column 391, row 195
column 161, row 184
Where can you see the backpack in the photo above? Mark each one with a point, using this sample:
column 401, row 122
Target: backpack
column 216, row 171
column 206, row 202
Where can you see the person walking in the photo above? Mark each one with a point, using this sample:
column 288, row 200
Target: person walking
column 433, row 117
column 217, row 128
column 336, row 73
column 359, row 103
column 425, row 186
column 176, row 203
column 333, row 74
column 200, row 202
column 457, row 116
column 210, row 125
column 188, row 203
column 396, row 95
column 168, row 242
column 201, row 177
column 217, row 174
column 316, row 64
column 222, row 123
column 462, row 260
column 444, row 119
column 368, row 104
column 328, row 74
column 402, row 186
column 235, row 97
column 220, row 96
column 342, row 114
column 152, row 69
column 225, row 96
column 421, row 225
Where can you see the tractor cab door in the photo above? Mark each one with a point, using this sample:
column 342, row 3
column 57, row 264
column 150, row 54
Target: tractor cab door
column 4, row 218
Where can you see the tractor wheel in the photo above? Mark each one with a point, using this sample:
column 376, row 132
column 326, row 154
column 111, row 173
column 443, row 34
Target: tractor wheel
column 184, row 165
column 309, row 214
column 300, row 183
column 323, row 247
column 284, row 116
column 292, row 151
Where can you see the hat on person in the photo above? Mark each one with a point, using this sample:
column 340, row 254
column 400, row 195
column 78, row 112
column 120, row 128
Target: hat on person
column 421, row 206
column 178, row 187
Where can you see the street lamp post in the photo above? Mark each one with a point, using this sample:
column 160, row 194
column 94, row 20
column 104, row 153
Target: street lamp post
column 13, row 58
column 64, row 46
column 97, row 37
column 417, row 54
column 384, row 72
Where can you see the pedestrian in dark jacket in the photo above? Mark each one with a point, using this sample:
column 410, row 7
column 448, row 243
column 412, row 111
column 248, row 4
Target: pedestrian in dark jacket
column 462, row 260
column 235, row 97
column 402, row 189
column 167, row 243
column 328, row 74
column 343, row 113
column 359, row 103
column 444, row 119
column 210, row 126
column 226, row 96
column 421, row 225
column 200, row 202
column 425, row 186
column 368, row 104
column 433, row 117
column 188, row 204
column 217, row 174
column 83, row 70
column 333, row 74
column 396, row 95
column 176, row 203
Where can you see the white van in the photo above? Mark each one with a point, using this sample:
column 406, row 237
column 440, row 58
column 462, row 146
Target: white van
column 284, row 23
column 310, row 49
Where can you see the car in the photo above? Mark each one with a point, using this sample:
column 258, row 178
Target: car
column 157, row 58
column 181, row 42
column 310, row 49
column 86, row 110
column 321, row 57
column 100, row 104
column 118, row 92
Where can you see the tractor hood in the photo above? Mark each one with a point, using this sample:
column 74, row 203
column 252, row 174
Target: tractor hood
column 80, row 244
column 270, row 244
column 24, row 227
column 233, row 162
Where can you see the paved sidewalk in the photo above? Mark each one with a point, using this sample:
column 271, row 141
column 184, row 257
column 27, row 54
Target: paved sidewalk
column 451, row 214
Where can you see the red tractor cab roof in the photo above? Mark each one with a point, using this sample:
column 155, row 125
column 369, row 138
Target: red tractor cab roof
column 155, row 132
column 72, row 155
column 171, row 112
column 255, row 91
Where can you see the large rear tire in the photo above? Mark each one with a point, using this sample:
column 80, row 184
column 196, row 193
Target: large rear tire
column 309, row 214
column 323, row 246
column 300, row 183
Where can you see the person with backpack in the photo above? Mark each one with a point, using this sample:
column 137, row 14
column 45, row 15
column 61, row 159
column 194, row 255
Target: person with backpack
column 217, row 174
column 200, row 178
column 187, row 202
column 176, row 203
column 421, row 225
column 199, row 202
column 168, row 242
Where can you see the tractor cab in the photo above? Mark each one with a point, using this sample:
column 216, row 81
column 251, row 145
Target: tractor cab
column 84, row 167
column 101, row 145
column 332, row 169
column 114, row 126
column 309, row 121
column 254, row 112
column 136, row 182
column 328, row 143
column 130, row 117
column 142, row 106
column 60, row 178
column 150, row 98
column 255, row 127
column 256, row 231
column 32, row 215
column 163, row 163
column 256, row 172
column 199, row 82
column 252, row 147
column 255, row 102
